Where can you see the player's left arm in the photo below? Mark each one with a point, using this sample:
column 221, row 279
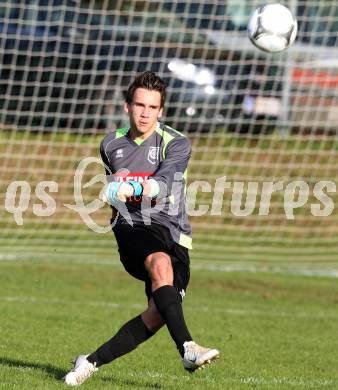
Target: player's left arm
column 172, row 168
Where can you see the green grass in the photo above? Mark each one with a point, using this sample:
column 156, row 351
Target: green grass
column 275, row 331
column 61, row 294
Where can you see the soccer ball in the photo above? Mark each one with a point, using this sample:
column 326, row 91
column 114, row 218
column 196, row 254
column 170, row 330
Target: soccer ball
column 272, row 28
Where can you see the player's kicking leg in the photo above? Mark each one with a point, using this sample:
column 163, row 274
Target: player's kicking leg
column 196, row 357
column 169, row 304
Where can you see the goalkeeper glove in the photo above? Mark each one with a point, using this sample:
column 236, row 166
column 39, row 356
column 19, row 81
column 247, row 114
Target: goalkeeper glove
column 120, row 191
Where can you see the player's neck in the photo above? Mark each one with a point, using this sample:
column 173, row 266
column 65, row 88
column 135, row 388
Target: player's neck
column 136, row 135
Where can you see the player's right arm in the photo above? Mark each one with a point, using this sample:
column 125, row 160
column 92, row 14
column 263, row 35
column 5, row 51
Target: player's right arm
column 109, row 173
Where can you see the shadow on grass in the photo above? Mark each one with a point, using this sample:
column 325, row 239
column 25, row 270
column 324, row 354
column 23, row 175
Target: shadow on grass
column 59, row 373
column 131, row 383
column 53, row 371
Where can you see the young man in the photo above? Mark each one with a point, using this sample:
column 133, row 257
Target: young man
column 148, row 161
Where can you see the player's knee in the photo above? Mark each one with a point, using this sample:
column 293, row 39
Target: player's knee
column 158, row 264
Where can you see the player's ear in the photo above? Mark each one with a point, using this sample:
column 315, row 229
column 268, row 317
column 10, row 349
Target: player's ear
column 126, row 107
column 160, row 113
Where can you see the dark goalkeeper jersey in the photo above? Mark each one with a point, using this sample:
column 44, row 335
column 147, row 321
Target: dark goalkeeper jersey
column 162, row 157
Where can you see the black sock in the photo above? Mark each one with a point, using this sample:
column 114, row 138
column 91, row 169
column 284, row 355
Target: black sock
column 168, row 303
column 133, row 333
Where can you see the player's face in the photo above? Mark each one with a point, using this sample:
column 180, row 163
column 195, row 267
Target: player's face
column 144, row 110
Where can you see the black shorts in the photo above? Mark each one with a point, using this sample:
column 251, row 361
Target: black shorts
column 137, row 242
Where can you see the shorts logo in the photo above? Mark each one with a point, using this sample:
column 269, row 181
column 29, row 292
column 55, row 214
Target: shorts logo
column 153, row 154
column 182, row 293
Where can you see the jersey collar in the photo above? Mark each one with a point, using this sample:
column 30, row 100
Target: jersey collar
column 139, row 141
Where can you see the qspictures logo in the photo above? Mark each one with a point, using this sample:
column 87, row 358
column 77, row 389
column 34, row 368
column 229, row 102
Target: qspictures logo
column 241, row 199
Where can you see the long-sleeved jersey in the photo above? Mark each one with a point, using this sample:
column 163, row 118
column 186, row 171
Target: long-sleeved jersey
column 162, row 157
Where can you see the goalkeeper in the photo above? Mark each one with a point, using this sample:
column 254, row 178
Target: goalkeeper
column 148, row 161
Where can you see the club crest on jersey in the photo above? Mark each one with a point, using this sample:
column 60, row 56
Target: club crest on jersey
column 119, row 153
column 153, row 154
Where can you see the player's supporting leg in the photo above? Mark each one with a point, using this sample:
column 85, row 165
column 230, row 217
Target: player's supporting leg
column 131, row 334
column 169, row 304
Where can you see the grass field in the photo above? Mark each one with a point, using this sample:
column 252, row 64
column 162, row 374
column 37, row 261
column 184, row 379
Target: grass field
column 63, row 291
column 274, row 330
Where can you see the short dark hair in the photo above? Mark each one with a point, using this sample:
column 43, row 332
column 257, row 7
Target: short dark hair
column 147, row 80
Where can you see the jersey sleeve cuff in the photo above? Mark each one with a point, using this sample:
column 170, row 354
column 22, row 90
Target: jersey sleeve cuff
column 138, row 188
